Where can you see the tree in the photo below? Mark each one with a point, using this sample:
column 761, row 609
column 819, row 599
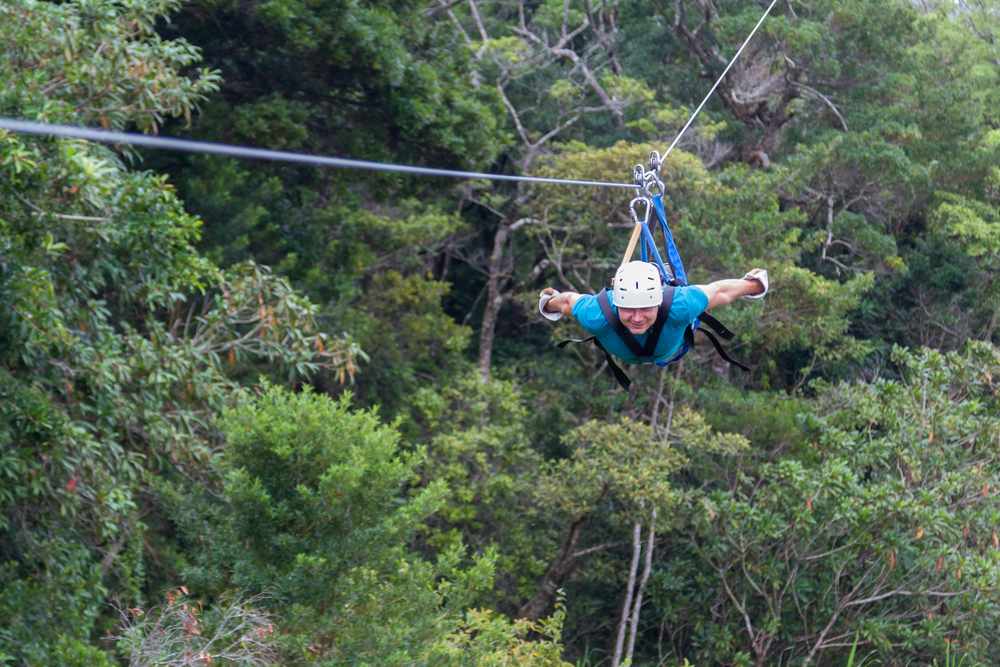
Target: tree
column 310, row 509
column 886, row 535
column 624, row 464
column 103, row 65
column 117, row 336
column 801, row 63
column 376, row 81
column 416, row 342
column 478, row 441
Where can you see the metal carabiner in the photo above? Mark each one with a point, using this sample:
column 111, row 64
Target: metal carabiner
column 649, row 209
column 652, row 176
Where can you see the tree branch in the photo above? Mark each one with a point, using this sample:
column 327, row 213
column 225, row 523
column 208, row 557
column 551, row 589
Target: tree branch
column 824, row 98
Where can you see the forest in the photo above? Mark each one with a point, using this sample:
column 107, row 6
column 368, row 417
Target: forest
column 263, row 413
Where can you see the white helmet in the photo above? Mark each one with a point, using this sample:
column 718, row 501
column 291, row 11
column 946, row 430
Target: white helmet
column 638, row 285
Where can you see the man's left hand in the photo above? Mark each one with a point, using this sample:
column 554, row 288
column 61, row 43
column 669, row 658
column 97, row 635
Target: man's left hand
column 760, row 277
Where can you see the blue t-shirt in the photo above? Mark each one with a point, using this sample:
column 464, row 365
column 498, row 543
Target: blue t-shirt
column 689, row 302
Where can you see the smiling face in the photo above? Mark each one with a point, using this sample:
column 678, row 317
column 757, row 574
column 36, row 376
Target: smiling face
column 638, row 320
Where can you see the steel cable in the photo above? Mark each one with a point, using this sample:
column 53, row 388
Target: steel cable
column 169, row 143
column 717, row 82
column 188, row 145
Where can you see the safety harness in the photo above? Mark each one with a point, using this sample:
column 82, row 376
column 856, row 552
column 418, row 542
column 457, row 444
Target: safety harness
column 673, row 277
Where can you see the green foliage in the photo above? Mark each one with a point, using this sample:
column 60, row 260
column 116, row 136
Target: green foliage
column 479, row 443
column 625, row 460
column 890, row 532
column 975, row 223
column 627, row 463
column 316, row 486
column 377, row 81
column 97, row 62
column 311, row 510
column 320, row 66
column 402, row 320
column 115, row 332
column 499, row 642
column 852, row 151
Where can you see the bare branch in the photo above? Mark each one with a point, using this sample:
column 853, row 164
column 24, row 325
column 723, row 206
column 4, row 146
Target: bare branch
column 824, row 98
column 85, row 218
column 599, row 547
column 446, row 7
column 175, row 634
column 443, row 7
column 482, row 30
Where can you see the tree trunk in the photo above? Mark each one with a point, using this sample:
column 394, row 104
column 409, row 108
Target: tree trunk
column 561, row 568
column 659, row 398
column 112, row 553
column 494, row 300
column 627, row 606
column 642, row 585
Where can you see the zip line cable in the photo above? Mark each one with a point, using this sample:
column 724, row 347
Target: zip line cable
column 717, row 82
column 190, row 146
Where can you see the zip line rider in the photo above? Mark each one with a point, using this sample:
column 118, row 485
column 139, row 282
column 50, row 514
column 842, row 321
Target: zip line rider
column 639, row 309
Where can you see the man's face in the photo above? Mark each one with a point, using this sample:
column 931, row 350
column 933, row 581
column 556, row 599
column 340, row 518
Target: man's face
column 638, row 320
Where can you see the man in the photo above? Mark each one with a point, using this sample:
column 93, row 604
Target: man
column 656, row 332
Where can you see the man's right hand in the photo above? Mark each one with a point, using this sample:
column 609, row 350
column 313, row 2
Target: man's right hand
column 552, row 302
column 546, row 298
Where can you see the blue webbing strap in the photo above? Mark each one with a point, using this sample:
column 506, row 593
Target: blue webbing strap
column 676, row 264
column 682, row 350
column 648, row 244
column 673, row 256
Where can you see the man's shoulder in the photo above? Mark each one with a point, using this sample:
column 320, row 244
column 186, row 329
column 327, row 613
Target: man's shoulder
column 689, row 302
column 585, row 302
column 587, row 311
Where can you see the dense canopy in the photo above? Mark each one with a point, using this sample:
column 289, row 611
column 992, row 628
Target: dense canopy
column 258, row 413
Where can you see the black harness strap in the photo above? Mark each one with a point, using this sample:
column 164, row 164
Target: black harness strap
column 626, row 336
column 616, row 370
column 718, row 327
column 649, row 349
column 718, row 348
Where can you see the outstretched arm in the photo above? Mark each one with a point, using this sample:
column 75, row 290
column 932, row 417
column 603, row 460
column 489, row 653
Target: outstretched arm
column 560, row 303
column 723, row 292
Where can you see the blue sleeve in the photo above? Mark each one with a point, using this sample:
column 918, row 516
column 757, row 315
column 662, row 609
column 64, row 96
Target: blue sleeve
column 588, row 313
column 689, row 302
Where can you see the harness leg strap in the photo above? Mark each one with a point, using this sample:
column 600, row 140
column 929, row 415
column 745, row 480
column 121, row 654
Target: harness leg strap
column 620, row 376
column 722, row 352
column 622, row 379
column 718, row 327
